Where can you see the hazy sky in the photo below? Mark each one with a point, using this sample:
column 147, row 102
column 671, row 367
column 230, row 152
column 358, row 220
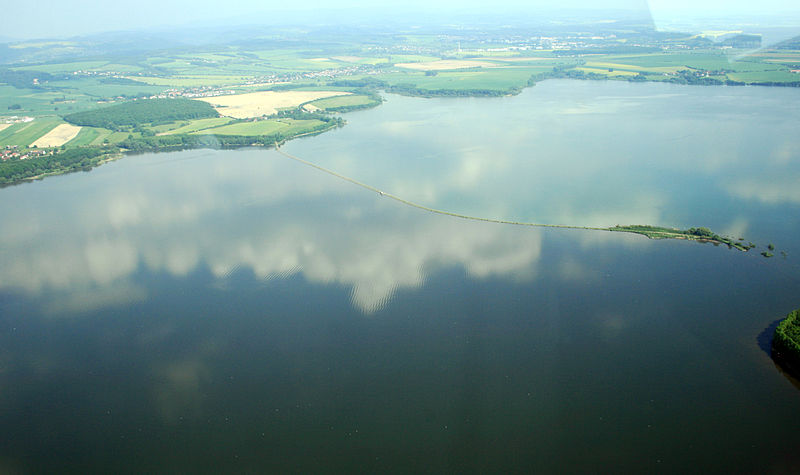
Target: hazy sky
column 59, row 18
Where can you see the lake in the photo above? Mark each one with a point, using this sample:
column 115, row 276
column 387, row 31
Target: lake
column 237, row 311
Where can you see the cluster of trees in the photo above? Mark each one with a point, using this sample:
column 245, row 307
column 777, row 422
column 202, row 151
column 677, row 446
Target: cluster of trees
column 412, row 90
column 23, row 79
column 786, row 343
column 299, row 114
column 369, row 85
column 701, row 232
column 573, row 73
column 777, row 83
column 187, row 141
column 375, row 100
column 705, row 233
column 366, row 83
column 61, row 161
column 152, row 111
column 687, row 76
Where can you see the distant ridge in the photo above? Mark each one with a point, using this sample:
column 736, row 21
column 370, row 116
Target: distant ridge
column 791, row 43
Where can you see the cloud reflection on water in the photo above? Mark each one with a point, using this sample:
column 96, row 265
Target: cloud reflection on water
column 79, row 240
column 300, row 222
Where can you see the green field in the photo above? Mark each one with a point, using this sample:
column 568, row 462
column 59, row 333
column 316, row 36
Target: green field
column 191, row 126
column 65, row 67
column 104, row 88
column 86, row 136
column 35, row 103
column 619, row 66
column 499, row 79
column 342, row 101
column 411, row 58
column 765, row 76
column 666, row 62
column 264, row 127
column 99, row 136
column 25, row 134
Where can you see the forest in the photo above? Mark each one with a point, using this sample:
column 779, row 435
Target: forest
column 150, row 111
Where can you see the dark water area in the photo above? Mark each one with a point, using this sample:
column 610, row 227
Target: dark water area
column 234, row 311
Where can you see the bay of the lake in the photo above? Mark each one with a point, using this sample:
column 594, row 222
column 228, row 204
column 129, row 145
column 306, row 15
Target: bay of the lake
column 234, row 311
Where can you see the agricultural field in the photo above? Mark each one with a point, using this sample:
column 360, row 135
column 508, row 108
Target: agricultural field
column 25, row 134
column 86, row 136
column 767, row 76
column 497, row 79
column 410, row 58
column 523, row 60
column 64, row 67
column 258, row 104
column 669, row 62
column 20, row 102
column 57, row 137
column 360, row 60
column 264, row 127
column 103, row 88
column 191, row 126
column 96, row 136
column 610, row 72
column 631, row 68
column 444, row 65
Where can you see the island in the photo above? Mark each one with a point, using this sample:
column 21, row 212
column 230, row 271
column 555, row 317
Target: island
column 786, row 344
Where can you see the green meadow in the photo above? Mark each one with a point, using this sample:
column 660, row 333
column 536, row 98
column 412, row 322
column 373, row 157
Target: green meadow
column 342, row 101
column 264, row 127
column 191, row 126
column 85, row 137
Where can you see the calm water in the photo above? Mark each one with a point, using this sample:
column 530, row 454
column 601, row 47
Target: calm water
column 234, row 311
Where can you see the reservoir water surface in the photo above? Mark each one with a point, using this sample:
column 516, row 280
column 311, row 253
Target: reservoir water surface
column 236, row 311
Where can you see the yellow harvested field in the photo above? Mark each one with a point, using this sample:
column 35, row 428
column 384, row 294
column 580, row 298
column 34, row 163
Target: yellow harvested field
column 632, row 67
column 257, row 104
column 4, row 126
column 57, row 137
column 445, row 64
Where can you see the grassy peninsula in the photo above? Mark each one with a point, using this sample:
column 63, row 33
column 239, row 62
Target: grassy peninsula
column 786, row 343
column 691, row 234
